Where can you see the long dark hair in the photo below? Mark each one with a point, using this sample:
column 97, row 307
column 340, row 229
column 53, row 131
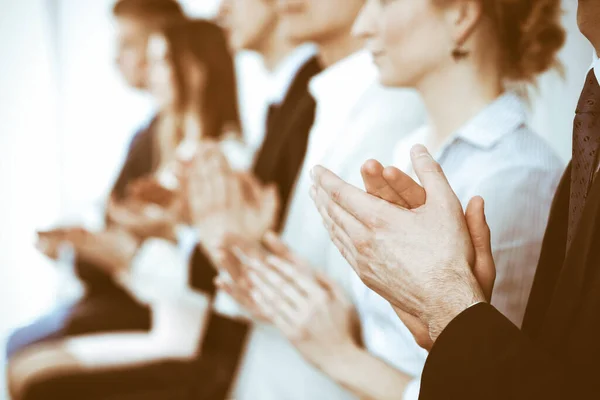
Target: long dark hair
column 204, row 43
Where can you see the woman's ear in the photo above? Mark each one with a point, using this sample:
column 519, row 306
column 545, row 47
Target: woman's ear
column 462, row 18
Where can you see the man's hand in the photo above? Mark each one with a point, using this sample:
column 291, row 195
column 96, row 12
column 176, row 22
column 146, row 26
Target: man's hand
column 232, row 261
column 396, row 187
column 310, row 309
column 49, row 242
column 223, row 201
column 420, row 260
column 149, row 190
column 111, row 250
column 144, row 220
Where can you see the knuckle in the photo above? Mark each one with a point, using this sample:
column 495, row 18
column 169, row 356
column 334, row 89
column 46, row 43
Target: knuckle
column 336, row 195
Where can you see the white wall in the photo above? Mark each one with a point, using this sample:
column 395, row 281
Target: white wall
column 556, row 99
column 29, row 167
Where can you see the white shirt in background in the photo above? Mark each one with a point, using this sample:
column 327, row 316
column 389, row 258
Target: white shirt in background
column 356, row 119
column 258, row 88
column 281, row 78
column 596, row 66
column 497, row 157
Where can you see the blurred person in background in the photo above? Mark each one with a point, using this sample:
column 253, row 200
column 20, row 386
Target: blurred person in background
column 192, row 77
column 278, row 162
column 463, row 57
column 355, row 118
column 106, row 307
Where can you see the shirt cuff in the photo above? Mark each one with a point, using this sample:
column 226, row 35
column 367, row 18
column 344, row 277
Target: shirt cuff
column 188, row 238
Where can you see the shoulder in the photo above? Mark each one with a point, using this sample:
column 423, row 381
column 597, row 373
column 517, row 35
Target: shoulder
column 524, row 147
column 518, row 157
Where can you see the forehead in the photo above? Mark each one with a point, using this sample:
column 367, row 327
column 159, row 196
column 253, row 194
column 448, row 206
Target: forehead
column 132, row 27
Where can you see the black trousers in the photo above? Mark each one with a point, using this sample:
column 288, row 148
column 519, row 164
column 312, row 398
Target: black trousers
column 207, row 377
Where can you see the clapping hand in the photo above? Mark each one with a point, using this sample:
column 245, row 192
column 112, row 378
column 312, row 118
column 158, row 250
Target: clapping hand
column 223, row 201
column 398, row 188
column 111, row 250
column 419, row 259
column 309, row 308
column 145, row 219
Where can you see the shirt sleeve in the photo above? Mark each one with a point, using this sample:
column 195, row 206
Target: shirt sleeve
column 187, row 239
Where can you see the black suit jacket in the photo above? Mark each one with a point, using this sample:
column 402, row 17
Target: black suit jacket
column 279, row 162
column 481, row 355
column 279, row 159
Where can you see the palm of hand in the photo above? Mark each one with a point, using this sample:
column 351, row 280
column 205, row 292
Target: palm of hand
column 325, row 330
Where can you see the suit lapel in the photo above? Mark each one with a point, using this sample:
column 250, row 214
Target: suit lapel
column 569, row 287
column 296, row 102
column 551, row 258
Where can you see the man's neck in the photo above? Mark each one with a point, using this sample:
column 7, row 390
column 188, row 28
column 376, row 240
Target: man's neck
column 337, row 48
column 274, row 50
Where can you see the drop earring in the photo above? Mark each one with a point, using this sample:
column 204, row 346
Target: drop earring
column 458, row 53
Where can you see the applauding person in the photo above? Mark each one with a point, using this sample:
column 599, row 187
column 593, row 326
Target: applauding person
column 505, row 163
column 422, row 261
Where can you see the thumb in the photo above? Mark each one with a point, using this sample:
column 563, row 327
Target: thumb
column 430, row 174
column 269, row 205
column 484, row 268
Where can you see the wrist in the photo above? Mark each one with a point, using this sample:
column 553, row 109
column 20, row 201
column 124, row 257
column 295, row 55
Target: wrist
column 458, row 291
column 336, row 363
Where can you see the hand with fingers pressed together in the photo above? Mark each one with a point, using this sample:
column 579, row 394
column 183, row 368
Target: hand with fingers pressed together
column 111, row 250
column 223, row 201
column 311, row 310
column 146, row 219
column 396, row 187
column 422, row 259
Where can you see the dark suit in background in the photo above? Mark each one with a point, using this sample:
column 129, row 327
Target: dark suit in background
column 556, row 355
column 211, row 374
column 106, row 306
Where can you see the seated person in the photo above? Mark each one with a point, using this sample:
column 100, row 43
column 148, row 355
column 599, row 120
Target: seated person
column 113, row 309
column 503, row 161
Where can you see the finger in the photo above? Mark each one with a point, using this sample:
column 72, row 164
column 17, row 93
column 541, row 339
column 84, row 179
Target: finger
column 484, row 269
column 269, row 206
column 332, row 287
column 431, row 175
column 341, row 240
column 303, row 280
column 347, row 252
column 348, row 198
column 328, row 208
column 267, row 280
column 405, row 187
column 273, row 301
column 235, row 192
column 241, row 295
column 251, row 189
column 276, row 246
column 376, row 185
column 227, row 261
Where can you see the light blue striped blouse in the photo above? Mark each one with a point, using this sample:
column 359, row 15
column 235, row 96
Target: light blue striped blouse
column 498, row 157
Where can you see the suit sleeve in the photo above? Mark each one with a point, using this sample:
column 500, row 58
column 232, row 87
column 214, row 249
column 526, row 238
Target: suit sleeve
column 202, row 272
column 482, row 355
column 131, row 168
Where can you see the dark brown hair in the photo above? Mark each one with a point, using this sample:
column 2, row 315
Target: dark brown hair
column 154, row 13
column 204, row 43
